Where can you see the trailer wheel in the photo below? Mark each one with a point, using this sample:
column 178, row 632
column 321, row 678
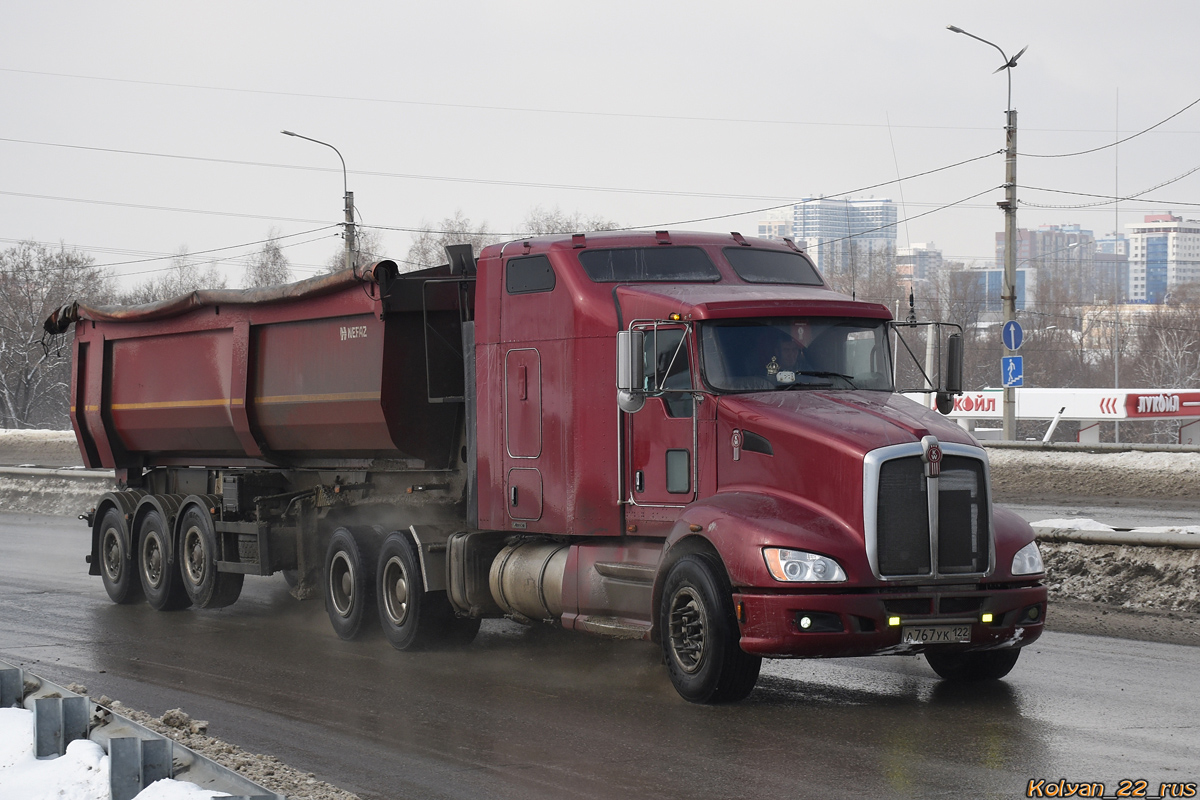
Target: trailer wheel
column 161, row 581
column 349, row 589
column 700, row 634
column 411, row 618
column 987, row 665
column 116, row 561
column 207, row 587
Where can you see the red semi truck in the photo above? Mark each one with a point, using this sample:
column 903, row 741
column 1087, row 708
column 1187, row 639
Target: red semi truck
column 437, row 447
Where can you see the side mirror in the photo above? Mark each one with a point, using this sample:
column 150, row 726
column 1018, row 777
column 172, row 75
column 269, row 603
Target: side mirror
column 954, row 364
column 952, row 382
column 630, row 373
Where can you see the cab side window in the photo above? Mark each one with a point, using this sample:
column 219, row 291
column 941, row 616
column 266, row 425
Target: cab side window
column 667, row 366
column 528, row 275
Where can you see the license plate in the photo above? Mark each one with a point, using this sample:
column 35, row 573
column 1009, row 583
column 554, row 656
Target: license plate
column 936, row 634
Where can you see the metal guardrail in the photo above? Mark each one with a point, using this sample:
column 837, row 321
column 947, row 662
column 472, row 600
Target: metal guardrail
column 1084, row 447
column 1132, row 538
column 137, row 755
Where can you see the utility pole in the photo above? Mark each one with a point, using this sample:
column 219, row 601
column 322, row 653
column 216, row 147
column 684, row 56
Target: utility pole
column 1009, row 205
column 1009, row 295
column 348, row 197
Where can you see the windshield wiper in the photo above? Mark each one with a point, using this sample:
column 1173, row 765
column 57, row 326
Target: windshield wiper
column 811, row 373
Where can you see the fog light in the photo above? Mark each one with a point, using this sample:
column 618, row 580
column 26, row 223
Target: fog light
column 806, row 622
column 893, row 621
column 986, row 618
column 1033, row 613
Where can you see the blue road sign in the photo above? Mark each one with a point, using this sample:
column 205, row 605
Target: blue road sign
column 1012, row 371
column 1012, row 335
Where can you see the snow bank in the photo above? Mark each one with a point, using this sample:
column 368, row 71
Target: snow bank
column 80, row 774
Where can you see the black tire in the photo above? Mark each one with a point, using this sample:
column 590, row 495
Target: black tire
column 700, row 634
column 411, row 618
column 986, row 665
column 161, row 581
column 198, row 550
column 349, row 582
column 117, row 568
column 291, row 577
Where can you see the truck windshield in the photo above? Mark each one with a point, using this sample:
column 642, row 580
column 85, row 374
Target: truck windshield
column 785, row 353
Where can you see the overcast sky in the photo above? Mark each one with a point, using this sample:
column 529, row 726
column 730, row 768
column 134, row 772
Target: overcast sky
column 130, row 130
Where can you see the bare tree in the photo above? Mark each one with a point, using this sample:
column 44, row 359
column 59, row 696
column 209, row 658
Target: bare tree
column 427, row 249
column 540, row 222
column 34, row 378
column 269, row 266
column 182, row 277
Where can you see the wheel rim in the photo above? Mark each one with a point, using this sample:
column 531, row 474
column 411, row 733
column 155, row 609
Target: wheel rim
column 152, row 559
column 395, row 591
column 688, row 625
column 341, row 583
column 113, row 554
column 194, row 556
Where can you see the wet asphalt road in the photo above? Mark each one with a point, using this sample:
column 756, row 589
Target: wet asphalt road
column 538, row 713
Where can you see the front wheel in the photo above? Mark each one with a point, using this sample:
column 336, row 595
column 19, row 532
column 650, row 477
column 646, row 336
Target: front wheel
column 411, row 617
column 986, row 665
column 700, row 634
column 117, row 568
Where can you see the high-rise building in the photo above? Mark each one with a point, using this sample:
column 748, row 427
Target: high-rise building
column 836, row 232
column 1112, row 269
column 1164, row 252
column 919, row 262
column 1060, row 259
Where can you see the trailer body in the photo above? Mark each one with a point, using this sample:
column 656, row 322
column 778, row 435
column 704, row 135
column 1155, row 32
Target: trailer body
column 438, row 447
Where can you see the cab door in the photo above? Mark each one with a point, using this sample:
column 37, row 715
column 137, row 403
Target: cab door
column 661, row 465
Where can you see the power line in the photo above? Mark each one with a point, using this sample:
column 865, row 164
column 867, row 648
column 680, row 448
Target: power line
column 440, row 178
column 1111, row 144
column 517, row 109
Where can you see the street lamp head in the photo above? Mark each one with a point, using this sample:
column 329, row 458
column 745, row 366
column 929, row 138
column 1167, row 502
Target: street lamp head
column 955, row 28
column 287, row 133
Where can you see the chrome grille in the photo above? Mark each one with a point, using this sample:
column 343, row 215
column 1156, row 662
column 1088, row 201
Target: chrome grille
column 899, row 529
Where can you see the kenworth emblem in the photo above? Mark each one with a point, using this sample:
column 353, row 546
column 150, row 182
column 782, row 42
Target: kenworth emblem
column 931, row 454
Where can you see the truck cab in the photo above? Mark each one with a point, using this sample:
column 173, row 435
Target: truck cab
column 717, row 436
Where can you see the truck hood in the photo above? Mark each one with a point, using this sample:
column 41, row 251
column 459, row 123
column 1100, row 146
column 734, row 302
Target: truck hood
column 807, row 447
column 850, row 422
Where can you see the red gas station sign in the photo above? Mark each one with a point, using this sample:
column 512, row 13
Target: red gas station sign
column 1162, row 404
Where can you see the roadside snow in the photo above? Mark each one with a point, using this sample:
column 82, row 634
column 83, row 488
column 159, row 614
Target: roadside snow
column 80, row 774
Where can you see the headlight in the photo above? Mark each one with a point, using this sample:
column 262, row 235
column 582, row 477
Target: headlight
column 1028, row 561
column 797, row 565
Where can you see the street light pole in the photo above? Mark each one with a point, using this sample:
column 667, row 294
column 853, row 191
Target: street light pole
column 348, row 197
column 1009, row 293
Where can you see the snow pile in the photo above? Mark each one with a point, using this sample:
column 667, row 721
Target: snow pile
column 41, row 448
column 1028, row 474
column 1160, row 578
column 266, row 771
column 80, row 774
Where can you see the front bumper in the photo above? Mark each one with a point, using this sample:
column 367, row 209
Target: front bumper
column 857, row 624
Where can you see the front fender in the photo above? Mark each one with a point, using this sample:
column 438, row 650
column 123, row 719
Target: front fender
column 1011, row 533
column 738, row 525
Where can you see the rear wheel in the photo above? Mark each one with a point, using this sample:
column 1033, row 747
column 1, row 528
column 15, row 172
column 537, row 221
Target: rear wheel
column 349, row 585
column 161, row 580
column 411, row 617
column 700, row 634
column 986, row 665
column 198, row 551
column 117, row 568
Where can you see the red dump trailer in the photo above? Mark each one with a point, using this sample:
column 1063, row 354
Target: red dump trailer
column 428, row 449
